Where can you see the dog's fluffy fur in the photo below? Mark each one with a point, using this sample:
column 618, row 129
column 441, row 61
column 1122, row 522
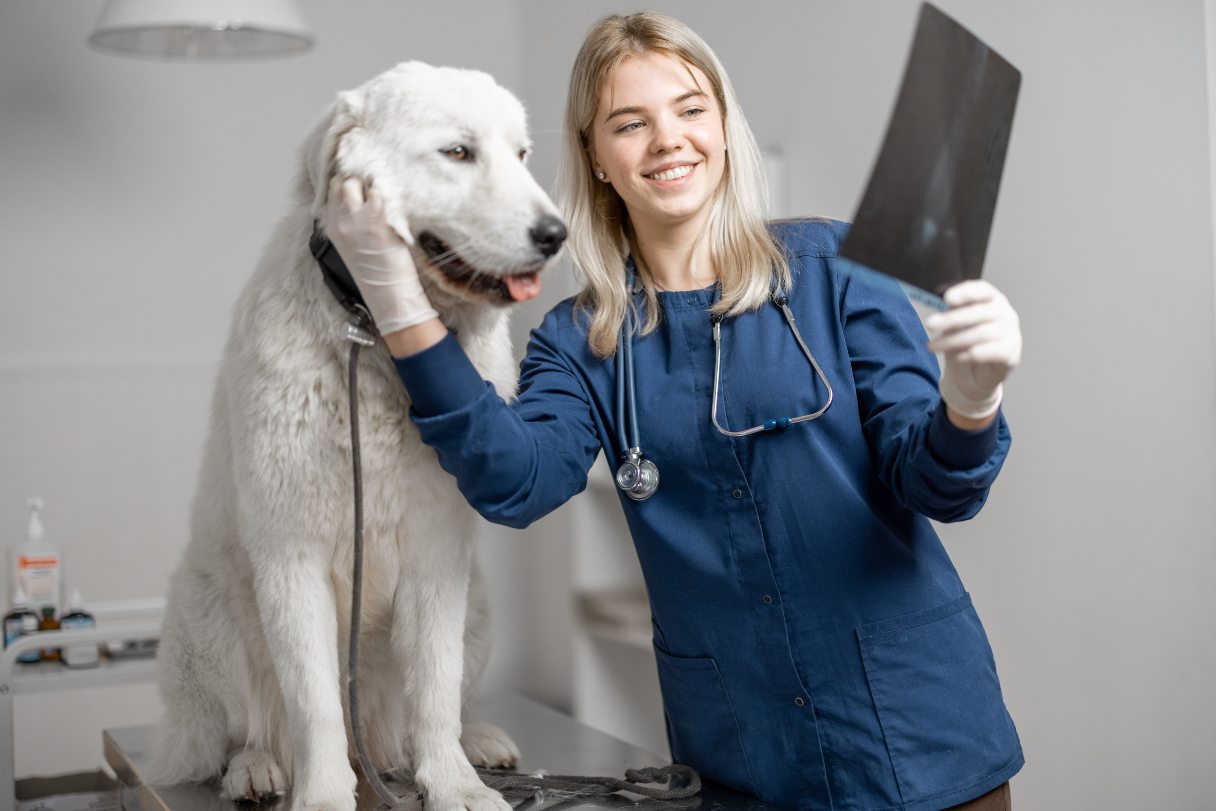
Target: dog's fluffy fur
column 253, row 652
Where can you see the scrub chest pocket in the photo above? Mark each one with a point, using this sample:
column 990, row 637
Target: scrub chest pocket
column 934, row 684
column 701, row 723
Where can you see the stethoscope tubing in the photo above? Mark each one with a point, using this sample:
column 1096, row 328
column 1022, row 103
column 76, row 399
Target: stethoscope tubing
column 634, row 441
column 770, row 424
column 620, row 391
column 626, row 385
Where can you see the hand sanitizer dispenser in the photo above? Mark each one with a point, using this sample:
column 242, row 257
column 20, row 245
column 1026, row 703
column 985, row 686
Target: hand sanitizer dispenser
column 37, row 564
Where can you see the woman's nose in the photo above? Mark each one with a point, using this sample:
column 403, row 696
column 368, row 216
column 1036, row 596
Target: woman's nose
column 667, row 136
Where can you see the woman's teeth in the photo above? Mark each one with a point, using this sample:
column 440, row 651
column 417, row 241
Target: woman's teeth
column 671, row 174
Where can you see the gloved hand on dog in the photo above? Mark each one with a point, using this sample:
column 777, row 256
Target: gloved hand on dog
column 982, row 341
column 377, row 257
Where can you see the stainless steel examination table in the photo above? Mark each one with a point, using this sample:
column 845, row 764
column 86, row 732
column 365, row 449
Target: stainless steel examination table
column 548, row 740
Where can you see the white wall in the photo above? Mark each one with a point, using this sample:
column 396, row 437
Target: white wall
column 138, row 196
column 1093, row 562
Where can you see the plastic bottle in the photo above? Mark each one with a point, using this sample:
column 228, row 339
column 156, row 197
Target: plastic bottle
column 19, row 622
column 49, row 623
column 38, row 564
column 77, row 617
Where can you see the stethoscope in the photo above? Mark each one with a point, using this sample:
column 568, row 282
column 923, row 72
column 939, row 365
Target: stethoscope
column 637, row 476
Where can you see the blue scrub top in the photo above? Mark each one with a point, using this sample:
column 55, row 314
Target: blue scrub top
column 815, row 645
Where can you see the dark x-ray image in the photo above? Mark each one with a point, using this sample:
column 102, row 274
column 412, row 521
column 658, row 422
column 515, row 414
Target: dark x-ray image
column 927, row 212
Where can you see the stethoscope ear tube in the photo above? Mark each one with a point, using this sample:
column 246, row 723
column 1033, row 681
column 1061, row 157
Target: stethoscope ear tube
column 772, row 423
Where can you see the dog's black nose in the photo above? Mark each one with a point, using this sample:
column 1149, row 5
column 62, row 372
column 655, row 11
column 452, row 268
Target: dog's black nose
column 548, row 233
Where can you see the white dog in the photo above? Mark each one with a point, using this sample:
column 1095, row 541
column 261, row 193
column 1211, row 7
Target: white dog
column 253, row 652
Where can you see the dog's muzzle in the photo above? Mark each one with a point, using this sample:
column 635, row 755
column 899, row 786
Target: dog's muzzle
column 547, row 235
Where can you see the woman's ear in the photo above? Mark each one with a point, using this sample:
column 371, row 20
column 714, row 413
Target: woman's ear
column 596, row 168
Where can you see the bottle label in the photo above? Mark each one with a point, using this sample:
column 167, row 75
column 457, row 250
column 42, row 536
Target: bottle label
column 76, row 622
column 39, row 578
column 17, row 627
column 12, row 630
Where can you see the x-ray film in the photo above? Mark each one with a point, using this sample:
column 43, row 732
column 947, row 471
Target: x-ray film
column 927, row 213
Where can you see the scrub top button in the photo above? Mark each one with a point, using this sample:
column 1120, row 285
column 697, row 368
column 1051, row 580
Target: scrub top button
column 798, row 702
column 737, row 493
column 767, row 599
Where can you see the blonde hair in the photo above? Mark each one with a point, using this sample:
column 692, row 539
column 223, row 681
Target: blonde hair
column 747, row 258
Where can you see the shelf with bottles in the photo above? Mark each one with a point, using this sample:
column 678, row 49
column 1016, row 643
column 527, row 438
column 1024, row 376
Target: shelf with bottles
column 132, row 620
column 125, row 632
column 47, row 676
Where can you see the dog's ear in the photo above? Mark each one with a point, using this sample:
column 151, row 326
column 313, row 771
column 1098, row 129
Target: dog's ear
column 325, row 145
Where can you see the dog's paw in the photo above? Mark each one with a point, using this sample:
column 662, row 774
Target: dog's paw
column 488, row 746
column 472, row 797
column 253, row 776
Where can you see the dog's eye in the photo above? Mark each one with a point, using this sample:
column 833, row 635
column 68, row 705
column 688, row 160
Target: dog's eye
column 523, row 154
column 459, row 153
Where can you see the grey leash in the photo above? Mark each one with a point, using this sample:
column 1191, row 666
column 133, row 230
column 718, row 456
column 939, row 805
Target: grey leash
column 358, row 336
column 683, row 781
column 522, row 786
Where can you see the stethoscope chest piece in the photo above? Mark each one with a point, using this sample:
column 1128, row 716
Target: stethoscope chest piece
column 637, row 477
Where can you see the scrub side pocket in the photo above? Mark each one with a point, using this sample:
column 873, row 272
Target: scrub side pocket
column 934, row 684
column 702, row 728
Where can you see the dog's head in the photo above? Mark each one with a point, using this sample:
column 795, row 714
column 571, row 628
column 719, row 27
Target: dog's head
column 446, row 148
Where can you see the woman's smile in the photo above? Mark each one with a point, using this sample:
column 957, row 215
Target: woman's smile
column 670, row 177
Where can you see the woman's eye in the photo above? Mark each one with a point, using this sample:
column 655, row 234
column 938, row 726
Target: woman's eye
column 459, row 153
column 630, row 127
column 693, row 112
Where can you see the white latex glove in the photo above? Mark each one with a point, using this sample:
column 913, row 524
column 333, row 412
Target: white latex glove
column 376, row 256
column 982, row 343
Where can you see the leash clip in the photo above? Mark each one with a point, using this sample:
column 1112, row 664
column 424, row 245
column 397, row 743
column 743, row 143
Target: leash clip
column 355, row 333
column 358, row 330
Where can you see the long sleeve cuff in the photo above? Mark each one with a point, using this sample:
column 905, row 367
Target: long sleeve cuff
column 957, row 448
column 440, row 379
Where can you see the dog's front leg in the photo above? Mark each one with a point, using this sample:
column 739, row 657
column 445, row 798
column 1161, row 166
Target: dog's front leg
column 296, row 604
column 429, row 632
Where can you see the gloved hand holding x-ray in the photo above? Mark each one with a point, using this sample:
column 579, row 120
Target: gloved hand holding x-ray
column 926, row 215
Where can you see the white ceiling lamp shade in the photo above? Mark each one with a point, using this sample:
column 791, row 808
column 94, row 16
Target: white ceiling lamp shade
column 201, row 30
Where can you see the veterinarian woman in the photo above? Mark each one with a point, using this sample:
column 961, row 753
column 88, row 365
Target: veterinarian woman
column 815, row 645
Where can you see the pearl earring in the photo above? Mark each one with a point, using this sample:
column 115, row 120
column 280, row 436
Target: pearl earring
column 600, row 175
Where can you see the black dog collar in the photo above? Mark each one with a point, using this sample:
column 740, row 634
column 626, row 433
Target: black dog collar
column 337, row 277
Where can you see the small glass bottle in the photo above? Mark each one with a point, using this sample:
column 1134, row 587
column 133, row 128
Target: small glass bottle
column 79, row 655
column 49, row 623
column 19, row 622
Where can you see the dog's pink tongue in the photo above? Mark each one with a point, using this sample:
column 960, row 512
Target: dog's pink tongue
column 523, row 286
